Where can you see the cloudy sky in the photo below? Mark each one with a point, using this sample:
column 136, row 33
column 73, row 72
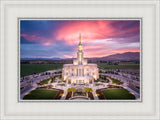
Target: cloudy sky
column 59, row 38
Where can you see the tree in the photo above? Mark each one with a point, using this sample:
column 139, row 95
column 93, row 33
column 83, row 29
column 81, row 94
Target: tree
column 71, row 89
column 88, row 90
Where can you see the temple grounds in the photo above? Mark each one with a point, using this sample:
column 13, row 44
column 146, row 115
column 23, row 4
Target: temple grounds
column 114, row 84
column 28, row 69
column 118, row 93
column 41, row 94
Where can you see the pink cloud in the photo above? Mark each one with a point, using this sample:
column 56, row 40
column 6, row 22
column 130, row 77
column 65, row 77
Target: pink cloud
column 36, row 38
column 89, row 30
column 99, row 37
column 68, row 56
column 29, row 37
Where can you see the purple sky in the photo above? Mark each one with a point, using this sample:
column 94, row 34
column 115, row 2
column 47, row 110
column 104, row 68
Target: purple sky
column 59, row 38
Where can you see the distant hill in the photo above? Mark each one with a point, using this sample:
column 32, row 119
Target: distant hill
column 41, row 59
column 127, row 56
column 124, row 56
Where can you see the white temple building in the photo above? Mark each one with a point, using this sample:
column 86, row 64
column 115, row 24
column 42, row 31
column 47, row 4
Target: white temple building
column 80, row 72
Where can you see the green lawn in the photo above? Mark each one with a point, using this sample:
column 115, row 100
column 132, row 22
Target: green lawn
column 44, row 82
column 105, row 66
column 116, row 81
column 117, row 94
column 28, row 69
column 41, row 94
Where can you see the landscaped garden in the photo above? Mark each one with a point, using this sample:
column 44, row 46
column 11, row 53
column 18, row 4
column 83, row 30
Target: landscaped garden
column 98, row 80
column 45, row 87
column 43, row 82
column 100, row 94
column 90, row 95
column 69, row 92
column 59, row 94
column 57, row 76
column 114, row 86
column 41, row 94
column 117, row 93
column 89, row 92
column 103, row 78
column 52, row 80
column 69, row 95
column 116, row 81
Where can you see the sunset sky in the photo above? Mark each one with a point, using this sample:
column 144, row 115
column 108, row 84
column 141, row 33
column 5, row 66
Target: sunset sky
column 59, row 38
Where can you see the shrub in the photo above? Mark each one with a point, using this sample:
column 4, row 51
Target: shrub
column 58, row 96
column 90, row 95
column 43, row 82
column 116, row 81
column 100, row 96
column 71, row 89
column 69, row 94
column 88, row 90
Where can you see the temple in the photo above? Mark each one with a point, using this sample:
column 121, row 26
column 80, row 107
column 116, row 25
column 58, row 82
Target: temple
column 80, row 72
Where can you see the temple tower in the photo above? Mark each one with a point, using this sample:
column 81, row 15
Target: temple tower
column 80, row 52
column 80, row 60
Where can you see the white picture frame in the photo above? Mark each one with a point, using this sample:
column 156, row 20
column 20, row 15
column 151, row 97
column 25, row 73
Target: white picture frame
column 147, row 10
column 139, row 99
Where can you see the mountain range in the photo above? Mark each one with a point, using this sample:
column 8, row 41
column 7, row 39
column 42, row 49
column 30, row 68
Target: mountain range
column 124, row 56
column 127, row 56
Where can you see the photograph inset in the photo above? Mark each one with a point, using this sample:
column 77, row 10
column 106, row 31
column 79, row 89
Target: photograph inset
column 79, row 60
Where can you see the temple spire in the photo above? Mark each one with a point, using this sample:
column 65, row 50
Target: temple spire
column 80, row 45
column 79, row 38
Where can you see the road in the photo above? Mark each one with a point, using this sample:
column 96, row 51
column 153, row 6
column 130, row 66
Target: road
column 34, row 83
column 55, row 85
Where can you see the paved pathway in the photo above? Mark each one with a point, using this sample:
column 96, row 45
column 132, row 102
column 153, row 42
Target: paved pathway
column 129, row 89
column 64, row 95
column 95, row 95
column 34, row 84
column 137, row 95
column 27, row 91
column 56, row 86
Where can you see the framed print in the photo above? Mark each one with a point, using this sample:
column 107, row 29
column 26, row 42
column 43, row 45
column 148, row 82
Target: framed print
column 80, row 60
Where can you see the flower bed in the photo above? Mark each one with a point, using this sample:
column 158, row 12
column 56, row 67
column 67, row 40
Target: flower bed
column 116, row 81
column 100, row 94
column 90, row 95
column 114, row 86
column 58, row 96
column 43, row 82
column 69, row 94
